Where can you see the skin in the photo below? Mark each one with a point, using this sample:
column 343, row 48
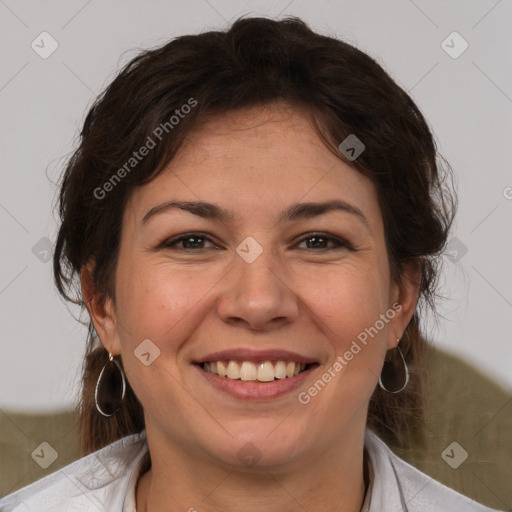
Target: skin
column 255, row 162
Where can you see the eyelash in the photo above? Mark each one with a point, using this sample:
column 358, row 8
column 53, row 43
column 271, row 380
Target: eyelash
column 340, row 243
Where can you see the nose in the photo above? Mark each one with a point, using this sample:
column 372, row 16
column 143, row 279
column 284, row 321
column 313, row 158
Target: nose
column 258, row 295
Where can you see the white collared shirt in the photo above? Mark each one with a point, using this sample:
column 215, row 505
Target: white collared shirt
column 105, row 481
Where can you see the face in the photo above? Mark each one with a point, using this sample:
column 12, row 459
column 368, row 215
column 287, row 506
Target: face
column 270, row 281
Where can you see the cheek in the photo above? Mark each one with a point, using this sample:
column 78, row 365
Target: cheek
column 165, row 304
column 158, row 304
column 349, row 307
column 347, row 299
column 154, row 302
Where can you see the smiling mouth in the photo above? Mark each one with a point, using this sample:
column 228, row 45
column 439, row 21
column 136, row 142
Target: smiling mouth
column 266, row 371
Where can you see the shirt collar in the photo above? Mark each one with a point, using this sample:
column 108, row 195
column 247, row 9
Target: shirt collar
column 385, row 491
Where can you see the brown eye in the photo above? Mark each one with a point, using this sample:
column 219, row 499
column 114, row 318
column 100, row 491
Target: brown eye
column 189, row 241
column 321, row 241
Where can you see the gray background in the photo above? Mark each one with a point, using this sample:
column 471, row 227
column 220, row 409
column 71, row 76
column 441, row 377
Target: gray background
column 467, row 101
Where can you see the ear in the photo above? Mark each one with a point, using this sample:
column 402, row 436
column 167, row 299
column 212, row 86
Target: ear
column 403, row 299
column 102, row 313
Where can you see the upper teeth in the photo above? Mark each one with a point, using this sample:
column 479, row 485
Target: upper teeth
column 247, row 370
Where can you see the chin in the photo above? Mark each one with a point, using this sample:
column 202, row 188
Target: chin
column 262, row 447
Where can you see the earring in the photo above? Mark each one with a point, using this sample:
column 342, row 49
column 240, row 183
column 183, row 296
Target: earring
column 395, row 373
column 110, row 388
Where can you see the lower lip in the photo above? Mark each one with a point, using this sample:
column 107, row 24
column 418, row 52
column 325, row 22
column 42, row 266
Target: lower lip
column 250, row 390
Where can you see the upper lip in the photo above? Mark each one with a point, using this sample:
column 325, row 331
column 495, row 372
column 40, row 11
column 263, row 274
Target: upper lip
column 255, row 356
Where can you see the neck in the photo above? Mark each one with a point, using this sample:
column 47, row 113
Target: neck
column 331, row 482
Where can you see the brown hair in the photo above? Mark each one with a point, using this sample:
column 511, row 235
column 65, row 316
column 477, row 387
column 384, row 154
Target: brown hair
column 256, row 62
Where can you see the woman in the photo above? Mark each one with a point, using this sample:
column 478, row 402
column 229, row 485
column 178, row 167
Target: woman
column 256, row 217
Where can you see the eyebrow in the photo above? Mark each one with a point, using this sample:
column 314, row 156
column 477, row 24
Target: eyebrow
column 294, row 212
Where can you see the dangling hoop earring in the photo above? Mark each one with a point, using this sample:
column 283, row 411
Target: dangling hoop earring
column 110, row 388
column 395, row 373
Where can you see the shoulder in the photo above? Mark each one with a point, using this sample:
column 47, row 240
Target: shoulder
column 98, row 481
column 399, row 485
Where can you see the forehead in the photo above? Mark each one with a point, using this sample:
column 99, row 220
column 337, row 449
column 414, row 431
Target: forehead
column 256, row 161
column 255, row 136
